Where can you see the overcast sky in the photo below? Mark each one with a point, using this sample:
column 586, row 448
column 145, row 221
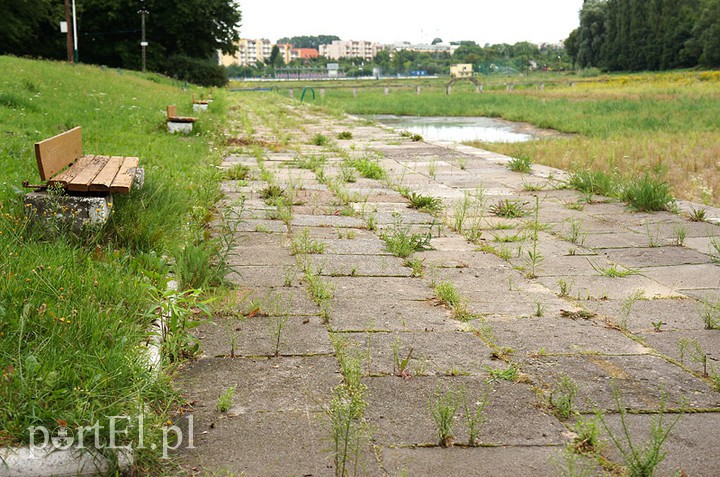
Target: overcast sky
column 387, row 21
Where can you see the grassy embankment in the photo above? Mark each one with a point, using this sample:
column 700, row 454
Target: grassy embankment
column 75, row 308
column 666, row 123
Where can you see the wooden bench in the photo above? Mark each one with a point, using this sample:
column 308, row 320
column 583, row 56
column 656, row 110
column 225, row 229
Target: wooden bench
column 179, row 124
column 61, row 162
column 173, row 117
column 200, row 104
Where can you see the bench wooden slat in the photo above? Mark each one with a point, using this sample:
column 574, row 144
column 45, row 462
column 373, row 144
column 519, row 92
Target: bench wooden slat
column 64, row 178
column 173, row 117
column 81, row 182
column 123, row 181
column 105, row 177
column 54, row 153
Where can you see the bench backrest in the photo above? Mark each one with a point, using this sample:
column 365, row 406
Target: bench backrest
column 57, row 152
column 171, row 111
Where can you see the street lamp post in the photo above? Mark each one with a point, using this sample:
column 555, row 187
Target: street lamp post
column 75, row 39
column 143, row 42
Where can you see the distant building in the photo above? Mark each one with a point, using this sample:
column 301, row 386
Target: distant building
column 461, row 70
column 248, row 53
column 349, row 49
column 420, row 47
column 304, row 53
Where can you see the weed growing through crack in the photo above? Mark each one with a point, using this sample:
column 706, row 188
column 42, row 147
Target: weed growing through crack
column 368, row 168
column 534, row 255
column 653, row 236
column 640, row 459
column 277, row 326
column 345, row 135
column 443, row 410
column 462, row 163
column 224, row 402
column 347, row 172
column 710, row 313
column 348, row 429
column 238, row 172
column 497, row 374
column 474, row 414
column 697, row 215
column 564, row 288
column 588, row 436
column 424, row 202
column 400, row 361
column 574, row 232
column 613, row 271
column 401, row 243
column 432, row 168
column 679, row 235
column 448, row 295
column 562, row 397
column 302, row 243
column 319, row 140
column 416, row 265
column 648, row 194
column 510, row 209
column 521, row 164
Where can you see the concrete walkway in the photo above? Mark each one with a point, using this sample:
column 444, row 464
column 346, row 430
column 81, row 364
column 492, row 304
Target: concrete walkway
column 544, row 324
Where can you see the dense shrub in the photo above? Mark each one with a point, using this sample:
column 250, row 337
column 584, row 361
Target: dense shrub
column 193, row 70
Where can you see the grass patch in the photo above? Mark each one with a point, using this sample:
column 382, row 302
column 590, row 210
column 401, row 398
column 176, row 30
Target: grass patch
column 648, row 194
column 74, row 309
column 369, row 168
column 520, row 164
column 401, row 243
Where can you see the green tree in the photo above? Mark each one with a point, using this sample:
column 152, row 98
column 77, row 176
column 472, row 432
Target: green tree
column 32, row 27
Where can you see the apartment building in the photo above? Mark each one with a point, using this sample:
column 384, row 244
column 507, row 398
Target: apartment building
column 349, row 49
column 249, row 52
column 461, row 70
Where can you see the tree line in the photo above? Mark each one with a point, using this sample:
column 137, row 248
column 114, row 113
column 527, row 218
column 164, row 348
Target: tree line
column 183, row 37
column 636, row 35
column 498, row 58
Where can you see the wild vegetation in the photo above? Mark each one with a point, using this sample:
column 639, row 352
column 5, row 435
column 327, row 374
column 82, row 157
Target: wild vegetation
column 76, row 307
column 620, row 125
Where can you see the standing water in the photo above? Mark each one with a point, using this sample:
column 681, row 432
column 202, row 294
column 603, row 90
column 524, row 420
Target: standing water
column 459, row 129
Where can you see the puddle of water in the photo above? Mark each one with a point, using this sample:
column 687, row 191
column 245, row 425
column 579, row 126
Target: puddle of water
column 459, row 128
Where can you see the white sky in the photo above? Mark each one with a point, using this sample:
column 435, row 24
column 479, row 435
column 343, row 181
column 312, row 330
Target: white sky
column 387, row 21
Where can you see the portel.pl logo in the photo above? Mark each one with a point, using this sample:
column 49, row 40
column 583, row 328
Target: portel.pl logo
column 119, row 428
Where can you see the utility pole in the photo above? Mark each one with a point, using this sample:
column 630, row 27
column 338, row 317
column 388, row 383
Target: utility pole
column 75, row 39
column 143, row 42
column 69, row 35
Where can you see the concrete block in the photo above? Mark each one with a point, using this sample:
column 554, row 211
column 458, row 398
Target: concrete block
column 200, row 107
column 77, row 213
column 178, row 127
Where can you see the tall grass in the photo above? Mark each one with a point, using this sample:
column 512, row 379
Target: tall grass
column 74, row 308
column 629, row 124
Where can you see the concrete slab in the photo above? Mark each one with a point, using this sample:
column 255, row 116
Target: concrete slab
column 383, row 288
column 655, row 256
column 326, row 221
column 551, row 335
column 608, row 288
column 690, row 446
column 639, row 316
column 360, row 266
column 257, row 336
column 643, row 381
column 267, row 384
column 686, row 276
column 687, row 347
column 390, row 315
column 434, row 353
column 293, row 300
column 400, row 411
column 519, row 461
column 239, row 445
